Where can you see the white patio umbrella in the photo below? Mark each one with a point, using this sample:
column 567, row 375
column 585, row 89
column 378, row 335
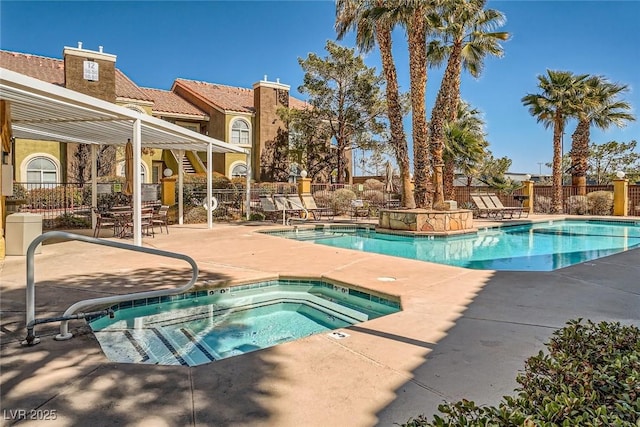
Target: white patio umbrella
column 388, row 178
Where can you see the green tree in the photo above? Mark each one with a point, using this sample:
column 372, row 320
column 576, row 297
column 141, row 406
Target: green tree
column 608, row 158
column 465, row 145
column 307, row 143
column 558, row 101
column 491, row 172
column 601, row 108
column 356, row 14
column 347, row 95
column 466, row 36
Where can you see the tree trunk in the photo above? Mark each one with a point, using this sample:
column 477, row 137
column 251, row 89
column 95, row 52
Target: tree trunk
column 442, row 112
column 449, row 177
column 579, row 156
column 417, row 40
column 556, row 197
column 394, row 112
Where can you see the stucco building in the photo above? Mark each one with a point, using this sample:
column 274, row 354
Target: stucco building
column 246, row 117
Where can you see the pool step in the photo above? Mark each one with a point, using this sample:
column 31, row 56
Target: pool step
column 156, row 346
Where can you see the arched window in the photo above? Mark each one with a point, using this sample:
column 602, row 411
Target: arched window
column 240, row 132
column 239, row 170
column 143, row 171
column 42, row 170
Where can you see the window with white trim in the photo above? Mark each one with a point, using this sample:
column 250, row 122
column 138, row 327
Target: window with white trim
column 143, row 171
column 239, row 171
column 42, row 170
column 240, row 133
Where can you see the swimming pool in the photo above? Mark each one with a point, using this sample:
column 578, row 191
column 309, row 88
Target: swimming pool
column 203, row 326
column 533, row 247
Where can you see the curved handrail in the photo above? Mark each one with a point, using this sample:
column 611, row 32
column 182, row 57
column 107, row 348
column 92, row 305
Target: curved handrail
column 297, row 207
column 64, row 326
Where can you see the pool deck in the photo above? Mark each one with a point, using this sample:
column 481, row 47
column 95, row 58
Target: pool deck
column 462, row 334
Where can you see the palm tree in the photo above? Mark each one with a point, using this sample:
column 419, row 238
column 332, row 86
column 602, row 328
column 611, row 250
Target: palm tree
column 466, row 38
column 465, row 145
column 412, row 15
column 355, row 14
column 558, row 101
column 600, row 107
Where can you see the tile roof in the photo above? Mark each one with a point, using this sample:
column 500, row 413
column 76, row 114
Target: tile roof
column 165, row 101
column 229, row 98
column 51, row 70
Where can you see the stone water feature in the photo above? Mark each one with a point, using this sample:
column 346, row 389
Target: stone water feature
column 426, row 221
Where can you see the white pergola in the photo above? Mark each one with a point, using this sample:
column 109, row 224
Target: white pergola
column 43, row 111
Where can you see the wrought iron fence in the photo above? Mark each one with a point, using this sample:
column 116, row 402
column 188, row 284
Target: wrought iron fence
column 68, row 205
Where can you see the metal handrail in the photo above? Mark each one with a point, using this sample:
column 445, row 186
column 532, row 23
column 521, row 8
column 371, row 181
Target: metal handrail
column 69, row 313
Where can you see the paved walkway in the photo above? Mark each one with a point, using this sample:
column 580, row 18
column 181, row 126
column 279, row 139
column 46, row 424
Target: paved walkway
column 462, row 333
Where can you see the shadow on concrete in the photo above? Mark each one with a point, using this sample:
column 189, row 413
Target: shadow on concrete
column 75, row 383
column 509, row 320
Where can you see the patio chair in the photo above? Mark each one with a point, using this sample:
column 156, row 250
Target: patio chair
column 492, row 200
column 359, row 209
column 317, row 212
column 484, row 209
column 161, row 218
column 103, row 221
column 283, row 204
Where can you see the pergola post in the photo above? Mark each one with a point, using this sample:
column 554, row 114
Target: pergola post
column 209, row 203
column 180, row 188
column 94, row 185
column 248, row 185
column 137, row 184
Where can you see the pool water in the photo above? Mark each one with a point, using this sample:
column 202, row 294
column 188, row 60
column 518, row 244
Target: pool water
column 210, row 325
column 533, row 247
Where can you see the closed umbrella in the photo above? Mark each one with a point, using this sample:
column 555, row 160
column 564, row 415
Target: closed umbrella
column 128, row 169
column 5, row 112
column 388, row 178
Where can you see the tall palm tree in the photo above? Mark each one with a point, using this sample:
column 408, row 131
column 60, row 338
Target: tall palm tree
column 465, row 145
column 558, row 101
column 412, row 15
column 355, row 14
column 600, row 108
column 466, row 38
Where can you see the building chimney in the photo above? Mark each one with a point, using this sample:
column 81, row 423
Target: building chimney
column 90, row 72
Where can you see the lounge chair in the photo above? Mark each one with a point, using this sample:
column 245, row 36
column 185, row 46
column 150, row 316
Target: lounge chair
column 317, row 212
column 484, row 210
column 492, row 199
column 269, row 208
column 296, row 205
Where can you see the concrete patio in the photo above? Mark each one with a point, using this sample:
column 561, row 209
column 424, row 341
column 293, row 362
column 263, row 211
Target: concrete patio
column 462, row 334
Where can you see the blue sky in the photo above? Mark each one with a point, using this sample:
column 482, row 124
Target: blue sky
column 238, row 42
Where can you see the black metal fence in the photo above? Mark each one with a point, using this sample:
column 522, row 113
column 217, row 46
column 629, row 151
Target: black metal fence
column 68, row 205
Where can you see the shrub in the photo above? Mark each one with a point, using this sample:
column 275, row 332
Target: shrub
column 256, row 216
column 588, row 377
column 341, row 201
column 373, row 184
column 323, row 198
column 195, row 215
column 600, row 202
column 577, row 205
column 374, row 197
column 542, row 204
column 71, row 221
